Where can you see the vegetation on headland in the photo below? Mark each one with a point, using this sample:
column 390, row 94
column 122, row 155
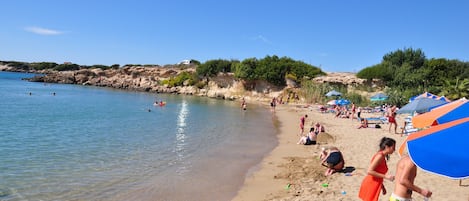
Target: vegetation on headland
column 404, row 73
column 408, row 72
column 271, row 69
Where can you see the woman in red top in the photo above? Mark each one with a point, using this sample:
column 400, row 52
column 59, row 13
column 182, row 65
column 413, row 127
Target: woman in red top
column 372, row 185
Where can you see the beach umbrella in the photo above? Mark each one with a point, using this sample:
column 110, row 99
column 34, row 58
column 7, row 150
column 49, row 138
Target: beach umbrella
column 379, row 97
column 333, row 93
column 448, row 112
column 430, row 96
column 343, row 102
column 332, row 102
column 420, row 105
column 441, row 149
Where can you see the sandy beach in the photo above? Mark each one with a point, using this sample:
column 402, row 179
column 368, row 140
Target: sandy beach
column 293, row 172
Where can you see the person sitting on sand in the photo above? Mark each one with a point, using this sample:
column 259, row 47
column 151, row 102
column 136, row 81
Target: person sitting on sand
column 345, row 115
column 318, row 128
column 322, row 109
column 363, row 123
column 309, row 139
column 332, row 158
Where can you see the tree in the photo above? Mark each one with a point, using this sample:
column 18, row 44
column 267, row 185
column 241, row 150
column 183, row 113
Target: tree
column 66, row 67
column 455, row 89
column 213, row 67
column 415, row 58
column 43, row 65
column 245, row 69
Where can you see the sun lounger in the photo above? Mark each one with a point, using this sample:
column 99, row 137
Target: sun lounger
column 408, row 127
column 376, row 120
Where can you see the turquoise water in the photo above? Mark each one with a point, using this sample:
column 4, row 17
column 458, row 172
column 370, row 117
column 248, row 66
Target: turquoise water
column 71, row 142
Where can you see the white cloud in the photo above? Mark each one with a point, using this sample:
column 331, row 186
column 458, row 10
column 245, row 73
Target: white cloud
column 262, row 38
column 42, row 31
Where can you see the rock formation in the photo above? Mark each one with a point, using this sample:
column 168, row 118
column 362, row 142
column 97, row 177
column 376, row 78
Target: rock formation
column 151, row 79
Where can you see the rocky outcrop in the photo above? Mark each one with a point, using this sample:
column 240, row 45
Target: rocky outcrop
column 150, row 79
column 340, row 78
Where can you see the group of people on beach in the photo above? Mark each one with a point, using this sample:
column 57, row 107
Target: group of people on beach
column 406, row 171
column 311, row 137
column 372, row 185
column 344, row 112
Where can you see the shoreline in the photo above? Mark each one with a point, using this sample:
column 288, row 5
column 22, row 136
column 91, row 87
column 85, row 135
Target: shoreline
column 292, row 172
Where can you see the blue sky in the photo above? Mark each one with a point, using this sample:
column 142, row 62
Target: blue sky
column 335, row 35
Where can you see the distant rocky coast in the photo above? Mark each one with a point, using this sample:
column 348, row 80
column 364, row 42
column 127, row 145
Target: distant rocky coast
column 149, row 79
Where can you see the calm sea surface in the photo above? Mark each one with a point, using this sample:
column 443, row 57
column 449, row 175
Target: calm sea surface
column 90, row 143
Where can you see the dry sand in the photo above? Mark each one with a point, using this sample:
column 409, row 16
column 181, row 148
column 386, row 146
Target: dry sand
column 292, row 171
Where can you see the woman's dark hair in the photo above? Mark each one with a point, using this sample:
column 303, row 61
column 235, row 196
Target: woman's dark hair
column 386, row 142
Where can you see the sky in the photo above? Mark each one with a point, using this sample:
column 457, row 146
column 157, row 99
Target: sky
column 334, row 35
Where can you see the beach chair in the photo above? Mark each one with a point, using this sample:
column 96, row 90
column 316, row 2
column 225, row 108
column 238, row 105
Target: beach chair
column 408, row 127
column 375, row 121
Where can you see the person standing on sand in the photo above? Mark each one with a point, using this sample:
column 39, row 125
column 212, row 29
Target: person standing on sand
column 359, row 112
column 353, row 109
column 406, row 172
column 392, row 120
column 372, row 185
column 302, row 124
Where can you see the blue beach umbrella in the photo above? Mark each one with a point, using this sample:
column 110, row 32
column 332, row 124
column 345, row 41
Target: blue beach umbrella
column 379, row 97
column 343, row 102
column 420, row 105
column 441, row 149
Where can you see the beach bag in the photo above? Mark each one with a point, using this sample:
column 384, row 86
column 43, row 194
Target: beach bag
column 377, row 126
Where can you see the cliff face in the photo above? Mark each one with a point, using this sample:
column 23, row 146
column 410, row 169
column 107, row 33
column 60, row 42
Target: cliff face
column 223, row 86
column 340, row 78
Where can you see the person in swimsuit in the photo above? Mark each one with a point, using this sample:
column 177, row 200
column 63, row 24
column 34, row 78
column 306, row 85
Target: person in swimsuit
column 372, row 184
column 310, row 139
column 302, row 124
column 332, row 158
column 318, row 128
column 406, row 172
column 273, row 104
column 359, row 112
column 392, row 120
column 363, row 123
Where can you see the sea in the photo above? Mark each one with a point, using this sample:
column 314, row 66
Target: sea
column 74, row 142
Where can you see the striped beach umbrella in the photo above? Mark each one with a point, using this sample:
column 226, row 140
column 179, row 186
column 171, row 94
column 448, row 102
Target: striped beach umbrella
column 449, row 112
column 441, row 149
